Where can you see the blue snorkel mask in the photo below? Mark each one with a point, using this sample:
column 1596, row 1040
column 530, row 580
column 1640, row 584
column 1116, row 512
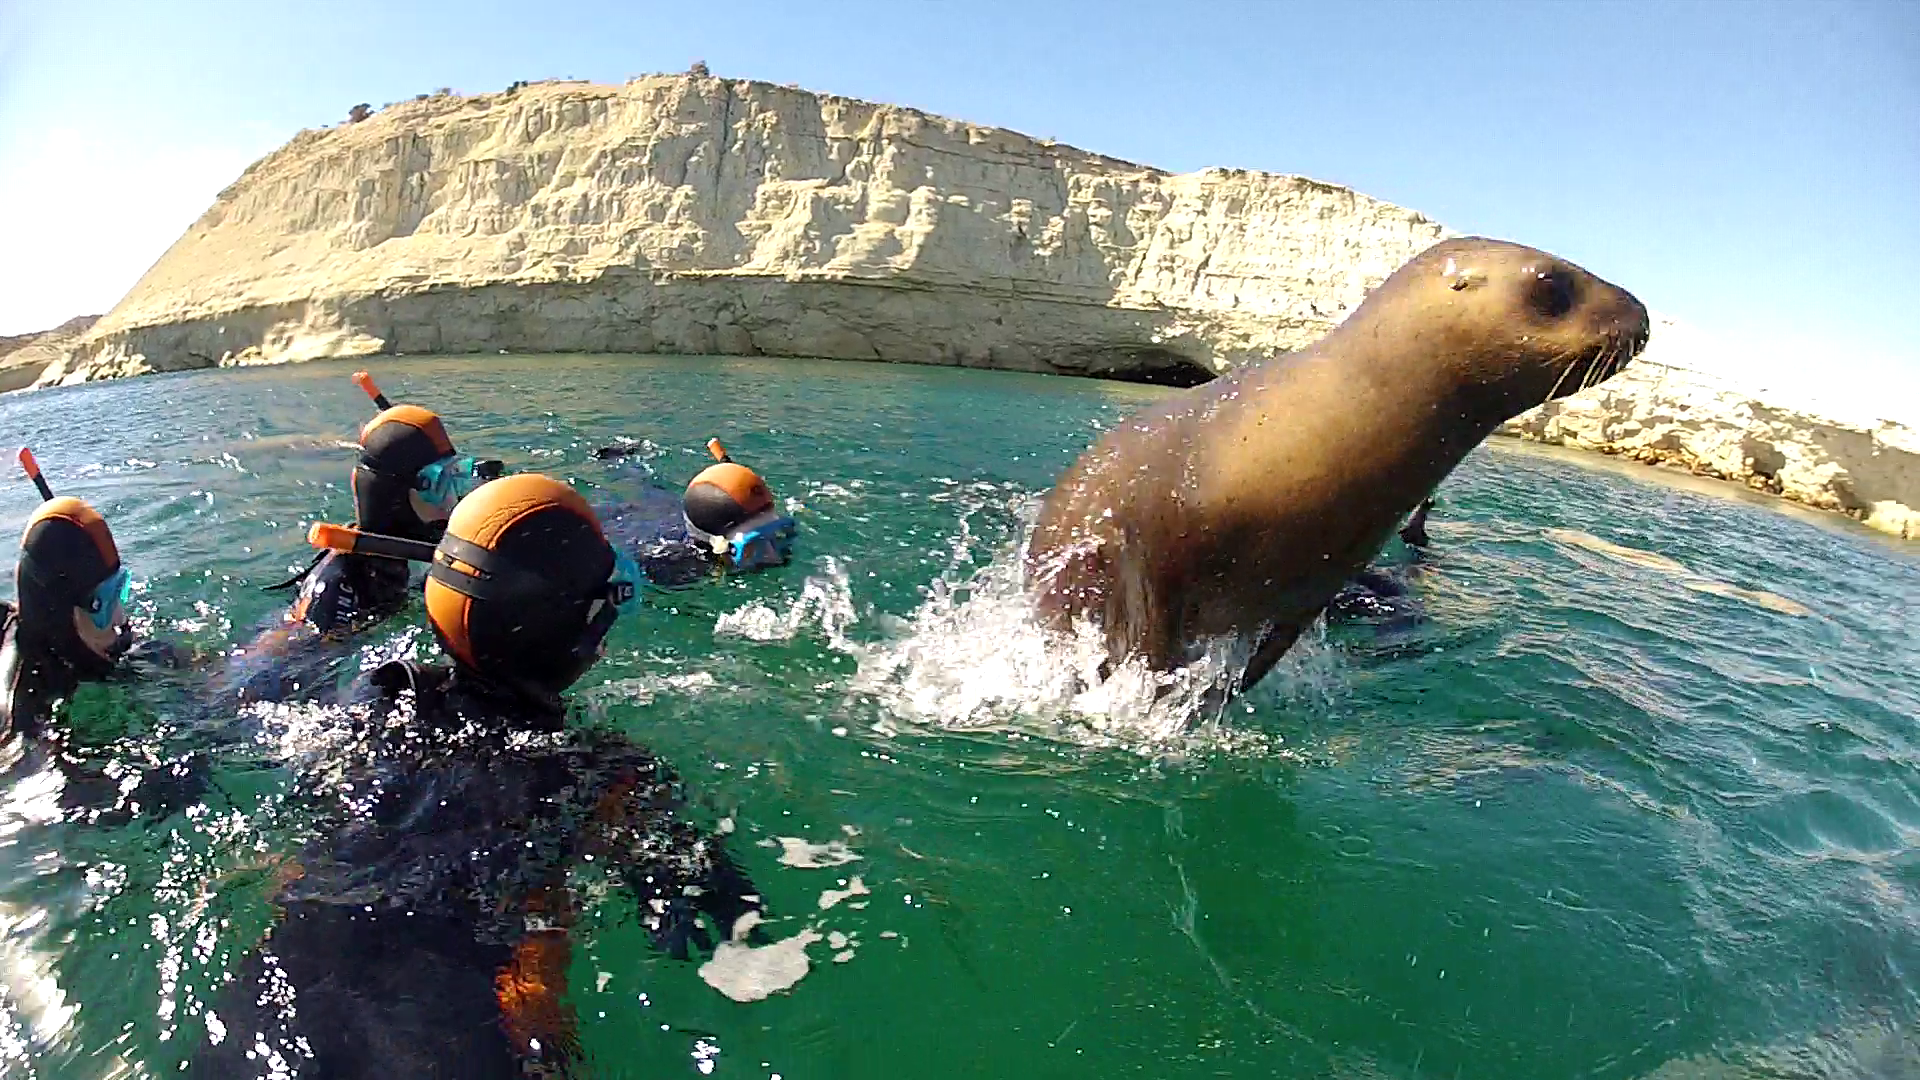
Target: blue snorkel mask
column 445, row 482
column 108, row 597
column 766, row 540
column 623, row 583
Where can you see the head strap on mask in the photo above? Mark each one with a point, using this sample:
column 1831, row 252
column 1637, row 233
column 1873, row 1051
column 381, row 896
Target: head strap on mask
column 491, row 578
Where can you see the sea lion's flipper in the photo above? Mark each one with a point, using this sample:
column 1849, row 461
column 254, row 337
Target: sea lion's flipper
column 1414, row 532
column 1268, row 653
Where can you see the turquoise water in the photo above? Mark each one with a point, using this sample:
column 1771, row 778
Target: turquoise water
column 1602, row 815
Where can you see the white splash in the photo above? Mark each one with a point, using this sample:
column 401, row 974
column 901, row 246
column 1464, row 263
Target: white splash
column 746, row 973
column 829, row 898
column 975, row 658
column 798, row 852
column 825, row 602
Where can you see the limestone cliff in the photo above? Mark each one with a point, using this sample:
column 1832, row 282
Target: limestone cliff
column 24, row 356
column 693, row 214
column 1664, row 410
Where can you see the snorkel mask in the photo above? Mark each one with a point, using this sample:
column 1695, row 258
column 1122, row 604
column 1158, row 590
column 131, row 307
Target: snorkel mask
column 729, row 507
column 764, row 540
column 445, row 482
column 110, row 599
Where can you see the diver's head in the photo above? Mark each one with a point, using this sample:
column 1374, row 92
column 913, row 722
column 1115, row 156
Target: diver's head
column 524, row 586
column 409, row 477
column 729, row 507
column 73, row 590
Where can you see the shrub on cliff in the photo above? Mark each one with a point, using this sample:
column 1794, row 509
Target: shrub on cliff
column 359, row 112
column 699, row 68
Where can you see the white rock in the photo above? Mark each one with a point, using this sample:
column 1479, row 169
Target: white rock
column 1662, row 410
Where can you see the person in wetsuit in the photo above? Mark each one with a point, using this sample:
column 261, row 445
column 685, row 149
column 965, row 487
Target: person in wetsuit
column 1383, row 593
column 407, row 481
column 424, row 932
column 69, row 626
column 725, row 520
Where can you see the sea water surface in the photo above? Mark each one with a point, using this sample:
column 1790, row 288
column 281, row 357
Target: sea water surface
column 1641, row 796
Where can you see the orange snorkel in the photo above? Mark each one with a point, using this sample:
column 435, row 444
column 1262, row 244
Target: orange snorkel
column 365, row 382
column 32, row 467
column 351, row 541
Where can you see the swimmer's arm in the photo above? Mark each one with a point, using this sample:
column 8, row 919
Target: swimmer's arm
column 532, row 987
column 676, row 873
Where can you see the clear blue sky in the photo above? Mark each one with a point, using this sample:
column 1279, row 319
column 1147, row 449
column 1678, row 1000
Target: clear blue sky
column 1752, row 168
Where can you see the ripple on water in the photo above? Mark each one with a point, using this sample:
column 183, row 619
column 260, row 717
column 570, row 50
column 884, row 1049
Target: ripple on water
column 1638, row 799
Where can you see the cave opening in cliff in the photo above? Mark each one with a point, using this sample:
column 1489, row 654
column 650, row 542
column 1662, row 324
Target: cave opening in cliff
column 1156, row 367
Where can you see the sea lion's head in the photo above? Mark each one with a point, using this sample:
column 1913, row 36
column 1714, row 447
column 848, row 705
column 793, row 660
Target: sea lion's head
column 1516, row 325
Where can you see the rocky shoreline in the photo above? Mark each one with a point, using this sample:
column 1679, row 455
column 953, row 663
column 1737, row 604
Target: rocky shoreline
column 1662, row 411
column 697, row 215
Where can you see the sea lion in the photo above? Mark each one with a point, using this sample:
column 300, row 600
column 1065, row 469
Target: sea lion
column 1240, row 507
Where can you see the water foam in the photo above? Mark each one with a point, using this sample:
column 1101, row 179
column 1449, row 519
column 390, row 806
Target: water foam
column 974, row 658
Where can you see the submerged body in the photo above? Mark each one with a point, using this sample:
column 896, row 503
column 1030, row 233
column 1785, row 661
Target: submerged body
column 1383, row 594
column 1242, row 507
column 424, row 932
column 652, row 529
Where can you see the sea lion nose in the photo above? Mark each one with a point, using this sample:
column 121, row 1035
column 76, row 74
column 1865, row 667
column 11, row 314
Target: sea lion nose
column 1632, row 324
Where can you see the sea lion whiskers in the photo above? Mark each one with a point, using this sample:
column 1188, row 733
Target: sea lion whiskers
column 1572, row 361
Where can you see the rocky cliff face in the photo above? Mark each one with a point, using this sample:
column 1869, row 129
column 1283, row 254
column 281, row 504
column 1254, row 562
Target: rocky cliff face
column 1662, row 411
column 693, row 214
column 23, row 357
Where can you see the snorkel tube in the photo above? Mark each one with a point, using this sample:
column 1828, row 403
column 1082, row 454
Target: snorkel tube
column 365, row 382
column 348, row 540
column 32, row 467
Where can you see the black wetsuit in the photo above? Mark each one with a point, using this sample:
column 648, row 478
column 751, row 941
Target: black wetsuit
column 105, row 783
column 344, row 593
column 652, row 529
column 340, row 595
column 33, row 677
column 450, row 817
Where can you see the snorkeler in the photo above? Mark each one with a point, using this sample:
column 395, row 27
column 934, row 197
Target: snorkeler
column 69, row 624
column 424, row 933
column 407, row 480
column 725, row 520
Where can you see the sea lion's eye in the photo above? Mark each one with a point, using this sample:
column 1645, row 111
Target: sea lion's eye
column 1551, row 293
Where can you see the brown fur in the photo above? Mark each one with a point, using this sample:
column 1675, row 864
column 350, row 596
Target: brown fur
column 1241, row 506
